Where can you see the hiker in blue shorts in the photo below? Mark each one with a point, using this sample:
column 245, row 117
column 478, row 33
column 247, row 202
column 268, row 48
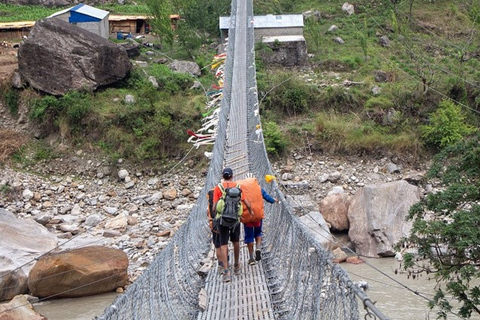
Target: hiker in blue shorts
column 253, row 231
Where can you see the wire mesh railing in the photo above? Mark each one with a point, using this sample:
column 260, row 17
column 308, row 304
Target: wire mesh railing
column 303, row 281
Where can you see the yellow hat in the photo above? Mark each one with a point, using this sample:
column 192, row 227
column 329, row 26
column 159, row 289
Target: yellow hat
column 269, row 178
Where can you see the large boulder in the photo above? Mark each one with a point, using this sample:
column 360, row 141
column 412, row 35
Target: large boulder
column 58, row 57
column 334, row 209
column 21, row 242
column 79, row 272
column 377, row 217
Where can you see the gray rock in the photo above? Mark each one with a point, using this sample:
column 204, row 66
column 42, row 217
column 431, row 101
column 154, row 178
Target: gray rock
column 153, row 81
column 318, row 228
column 332, row 28
column 93, row 220
column 110, row 210
column 376, row 90
column 348, row 8
column 129, row 99
column 21, row 242
column 189, row 67
column 384, row 41
column 58, row 57
column 377, row 215
column 122, row 174
column 27, row 194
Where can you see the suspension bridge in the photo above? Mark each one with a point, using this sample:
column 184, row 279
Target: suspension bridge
column 296, row 278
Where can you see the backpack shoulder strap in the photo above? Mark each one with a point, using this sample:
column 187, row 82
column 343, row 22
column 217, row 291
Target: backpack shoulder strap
column 222, row 188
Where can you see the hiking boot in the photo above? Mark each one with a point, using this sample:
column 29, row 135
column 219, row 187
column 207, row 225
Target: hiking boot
column 252, row 262
column 220, row 269
column 258, row 255
column 226, row 276
column 236, row 269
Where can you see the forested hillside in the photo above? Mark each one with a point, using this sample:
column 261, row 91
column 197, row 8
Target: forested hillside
column 383, row 80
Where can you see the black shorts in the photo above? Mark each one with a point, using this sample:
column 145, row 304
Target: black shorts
column 227, row 233
column 216, row 239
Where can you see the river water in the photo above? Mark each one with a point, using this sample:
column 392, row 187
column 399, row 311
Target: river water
column 391, row 298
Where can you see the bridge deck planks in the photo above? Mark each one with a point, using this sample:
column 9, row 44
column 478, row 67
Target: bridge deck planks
column 246, row 297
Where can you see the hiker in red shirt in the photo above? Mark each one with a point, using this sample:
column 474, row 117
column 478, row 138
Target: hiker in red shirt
column 226, row 233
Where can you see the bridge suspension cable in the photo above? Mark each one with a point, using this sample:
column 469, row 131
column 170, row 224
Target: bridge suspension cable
column 298, row 275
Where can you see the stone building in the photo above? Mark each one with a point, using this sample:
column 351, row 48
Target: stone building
column 282, row 34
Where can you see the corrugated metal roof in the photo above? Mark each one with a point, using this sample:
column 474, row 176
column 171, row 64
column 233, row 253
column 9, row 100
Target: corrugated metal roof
column 17, row 25
column 114, row 17
column 83, row 9
column 90, row 11
column 270, row 21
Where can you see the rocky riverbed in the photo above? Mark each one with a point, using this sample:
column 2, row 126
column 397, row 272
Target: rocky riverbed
column 85, row 200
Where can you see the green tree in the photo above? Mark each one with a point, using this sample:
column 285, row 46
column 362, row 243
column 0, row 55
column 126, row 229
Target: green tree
column 446, row 229
column 447, row 125
column 202, row 15
column 274, row 139
column 161, row 11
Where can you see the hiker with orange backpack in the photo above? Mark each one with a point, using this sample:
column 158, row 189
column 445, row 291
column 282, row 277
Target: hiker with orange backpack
column 253, row 231
column 229, row 231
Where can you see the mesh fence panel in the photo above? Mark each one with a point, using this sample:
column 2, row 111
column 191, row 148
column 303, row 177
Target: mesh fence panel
column 303, row 281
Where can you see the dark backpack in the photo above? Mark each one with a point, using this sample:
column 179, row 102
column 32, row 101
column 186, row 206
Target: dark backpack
column 229, row 206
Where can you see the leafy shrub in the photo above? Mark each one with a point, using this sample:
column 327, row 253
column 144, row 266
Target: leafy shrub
column 288, row 95
column 76, row 105
column 350, row 135
column 203, row 15
column 275, row 142
column 40, row 107
column 65, row 113
column 381, row 102
column 377, row 109
column 447, row 125
column 11, row 99
column 190, row 41
column 135, row 79
column 169, row 81
column 313, row 31
column 339, row 99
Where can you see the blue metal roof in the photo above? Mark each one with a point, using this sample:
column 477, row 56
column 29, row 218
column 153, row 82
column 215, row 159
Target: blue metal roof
column 83, row 13
column 89, row 11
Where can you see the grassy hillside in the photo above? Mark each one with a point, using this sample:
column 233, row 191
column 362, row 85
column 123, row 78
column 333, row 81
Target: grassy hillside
column 12, row 13
column 432, row 56
column 428, row 98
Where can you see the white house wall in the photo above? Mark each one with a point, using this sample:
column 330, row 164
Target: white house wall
column 93, row 27
column 100, row 28
column 104, row 28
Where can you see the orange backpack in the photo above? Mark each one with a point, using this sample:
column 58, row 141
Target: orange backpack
column 253, row 193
